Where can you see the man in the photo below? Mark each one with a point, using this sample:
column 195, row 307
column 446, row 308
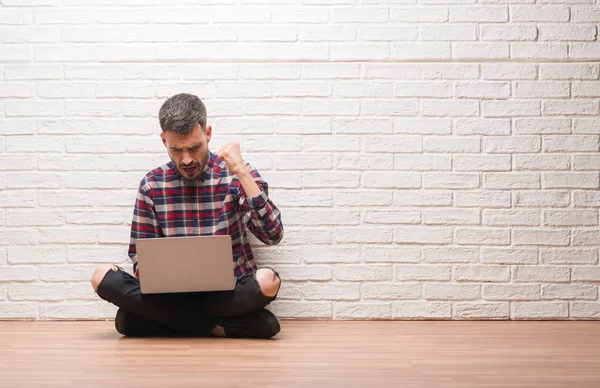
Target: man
column 198, row 193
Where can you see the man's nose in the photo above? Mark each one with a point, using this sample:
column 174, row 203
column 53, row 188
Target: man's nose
column 187, row 159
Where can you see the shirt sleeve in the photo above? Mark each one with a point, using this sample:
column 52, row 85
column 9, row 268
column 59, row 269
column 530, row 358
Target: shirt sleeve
column 265, row 218
column 144, row 224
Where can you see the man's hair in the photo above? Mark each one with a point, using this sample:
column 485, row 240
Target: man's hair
column 181, row 113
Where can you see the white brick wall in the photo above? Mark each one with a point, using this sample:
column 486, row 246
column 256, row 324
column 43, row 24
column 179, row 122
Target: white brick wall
column 435, row 160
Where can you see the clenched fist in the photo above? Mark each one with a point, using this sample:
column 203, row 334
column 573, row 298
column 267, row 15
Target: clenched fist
column 232, row 155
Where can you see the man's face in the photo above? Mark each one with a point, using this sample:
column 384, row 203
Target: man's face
column 188, row 152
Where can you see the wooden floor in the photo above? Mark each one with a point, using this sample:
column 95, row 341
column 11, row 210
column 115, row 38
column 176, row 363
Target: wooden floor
column 307, row 354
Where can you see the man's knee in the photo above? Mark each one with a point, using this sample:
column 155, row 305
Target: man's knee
column 268, row 281
column 99, row 274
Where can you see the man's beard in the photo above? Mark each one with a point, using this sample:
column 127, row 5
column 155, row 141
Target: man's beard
column 199, row 168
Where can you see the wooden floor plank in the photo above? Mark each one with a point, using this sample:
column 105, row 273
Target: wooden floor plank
column 310, row 354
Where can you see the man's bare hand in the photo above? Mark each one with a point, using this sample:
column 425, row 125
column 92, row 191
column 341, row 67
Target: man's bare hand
column 232, row 155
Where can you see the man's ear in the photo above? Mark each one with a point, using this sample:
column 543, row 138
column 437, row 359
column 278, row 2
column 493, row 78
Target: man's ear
column 164, row 140
column 208, row 133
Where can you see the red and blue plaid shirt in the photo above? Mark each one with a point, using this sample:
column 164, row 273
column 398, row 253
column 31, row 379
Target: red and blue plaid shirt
column 213, row 204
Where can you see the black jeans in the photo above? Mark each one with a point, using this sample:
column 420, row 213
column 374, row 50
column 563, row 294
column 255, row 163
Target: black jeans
column 194, row 313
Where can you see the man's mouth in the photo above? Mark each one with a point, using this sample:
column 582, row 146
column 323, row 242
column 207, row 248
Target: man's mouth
column 190, row 170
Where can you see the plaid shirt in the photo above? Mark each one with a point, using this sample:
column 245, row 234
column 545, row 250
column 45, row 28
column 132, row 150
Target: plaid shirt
column 213, row 204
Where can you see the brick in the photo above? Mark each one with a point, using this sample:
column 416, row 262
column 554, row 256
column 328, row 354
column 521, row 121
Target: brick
column 393, row 144
column 511, row 217
column 314, row 108
column 326, row 71
column 571, row 107
column 337, row 254
column 390, row 291
column 451, row 216
column 391, row 180
column 450, row 32
column 391, row 71
column 482, row 273
column 303, row 273
column 482, row 163
column 10, row 162
column 450, row 71
column 357, row 51
column 477, row 126
column 479, row 14
column 482, row 89
column 331, row 291
column 585, row 274
column 511, row 108
column 572, row 180
column 18, row 273
column 537, row 13
column 570, row 217
column 392, row 217
column 586, row 89
column 527, row 126
column 330, row 179
column 493, row 199
column 17, row 198
column 422, row 198
column 422, row 310
column 362, row 310
column 585, row 310
column 325, row 33
column 481, row 310
column 40, row 180
column 80, row 310
column 11, row 310
column 406, row 272
column 303, row 309
column 29, row 218
column 480, row 50
column 539, row 89
column 508, row 71
column 512, row 144
column 587, row 50
column 505, row 33
column 585, row 237
column 586, row 198
column 545, row 198
column 511, row 180
column 452, row 144
column 528, row 50
column 390, row 254
column 418, row 15
column 540, row 237
column 361, row 198
column 573, row 32
column 450, row 108
column 24, row 292
column 423, row 162
column 450, row 255
column 539, row 310
column 363, row 235
column 364, row 162
column 451, row 291
column 574, row 256
column 482, row 236
column 391, row 34
column 33, row 108
column 425, row 126
column 16, row 127
column 357, row 273
column 569, row 71
column 426, row 50
column 422, row 89
column 448, row 180
column 542, row 162
column 511, row 292
column 423, row 235
column 15, row 53
column 356, row 126
column 402, row 107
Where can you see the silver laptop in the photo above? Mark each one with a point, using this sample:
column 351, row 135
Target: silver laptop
column 185, row 264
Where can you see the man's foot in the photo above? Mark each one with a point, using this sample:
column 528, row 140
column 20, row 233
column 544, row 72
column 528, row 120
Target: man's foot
column 133, row 325
column 260, row 324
